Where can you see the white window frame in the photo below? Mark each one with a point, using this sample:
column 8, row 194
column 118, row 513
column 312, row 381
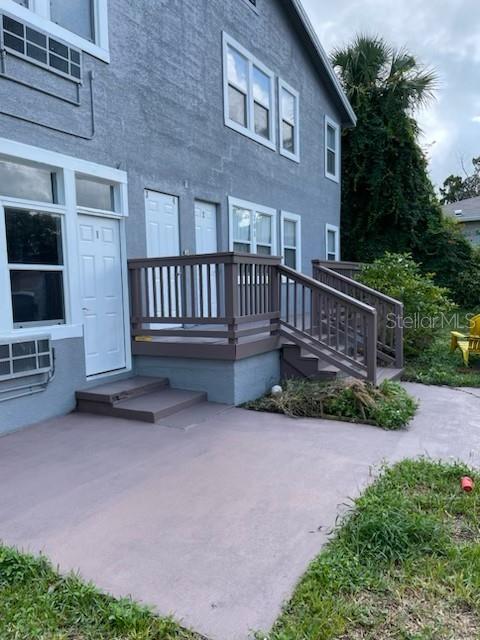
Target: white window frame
column 331, row 123
column 292, row 217
column 38, row 15
column 336, row 230
column 283, row 86
column 66, row 167
column 254, row 209
column 252, row 61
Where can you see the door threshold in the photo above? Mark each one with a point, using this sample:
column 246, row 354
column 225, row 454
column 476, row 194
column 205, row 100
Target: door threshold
column 108, row 374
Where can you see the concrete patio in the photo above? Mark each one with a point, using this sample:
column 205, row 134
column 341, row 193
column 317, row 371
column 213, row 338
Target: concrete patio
column 212, row 522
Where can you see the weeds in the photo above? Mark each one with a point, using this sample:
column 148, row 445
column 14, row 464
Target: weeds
column 388, row 406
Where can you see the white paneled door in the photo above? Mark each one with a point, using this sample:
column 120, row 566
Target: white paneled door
column 206, row 242
column 101, row 293
column 205, row 227
column 163, row 240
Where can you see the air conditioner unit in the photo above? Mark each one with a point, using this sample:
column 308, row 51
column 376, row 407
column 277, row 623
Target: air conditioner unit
column 25, row 356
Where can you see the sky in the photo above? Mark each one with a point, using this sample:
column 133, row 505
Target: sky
column 443, row 34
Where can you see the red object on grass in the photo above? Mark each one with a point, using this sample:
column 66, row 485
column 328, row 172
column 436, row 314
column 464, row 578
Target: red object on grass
column 466, row 484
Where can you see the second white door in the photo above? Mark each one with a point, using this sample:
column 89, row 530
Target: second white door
column 205, row 227
column 163, row 240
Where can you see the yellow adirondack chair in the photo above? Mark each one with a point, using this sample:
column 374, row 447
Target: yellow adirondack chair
column 467, row 343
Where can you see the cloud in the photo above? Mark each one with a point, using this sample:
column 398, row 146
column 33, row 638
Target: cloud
column 441, row 34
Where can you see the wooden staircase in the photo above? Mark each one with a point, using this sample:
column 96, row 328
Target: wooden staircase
column 331, row 325
column 138, row 398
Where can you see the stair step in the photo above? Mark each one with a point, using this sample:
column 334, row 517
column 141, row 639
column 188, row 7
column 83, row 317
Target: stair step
column 113, row 392
column 146, row 408
column 388, row 373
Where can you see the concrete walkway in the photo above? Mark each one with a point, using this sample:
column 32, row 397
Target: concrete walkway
column 214, row 523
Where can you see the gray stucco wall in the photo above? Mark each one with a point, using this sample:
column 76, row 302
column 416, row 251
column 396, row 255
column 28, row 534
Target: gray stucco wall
column 226, row 382
column 57, row 398
column 159, row 116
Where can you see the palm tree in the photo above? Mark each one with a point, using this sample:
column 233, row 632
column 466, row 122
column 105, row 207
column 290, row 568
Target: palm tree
column 370, row 66
column 388, row 201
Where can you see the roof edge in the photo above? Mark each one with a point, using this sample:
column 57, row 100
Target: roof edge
column 324, row 59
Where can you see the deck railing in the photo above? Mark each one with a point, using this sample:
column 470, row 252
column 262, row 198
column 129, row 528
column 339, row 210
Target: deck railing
column 328, row 323
column 205, row 296
column 389, row 310
column 225, row 300
column 343, row 267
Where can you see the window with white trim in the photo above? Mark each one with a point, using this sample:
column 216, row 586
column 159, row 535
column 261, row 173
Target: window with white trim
column 332, row 149
column 288, row 116
column 332, row 241
column 253, row 227
column 82, row 23
column 291, row 239
column 35, row 263
column 249, row 96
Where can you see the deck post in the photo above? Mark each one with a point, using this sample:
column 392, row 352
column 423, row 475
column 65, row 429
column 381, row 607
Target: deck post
column 231, row 299
column 371, row 351
column 275, row 299
column 399, row 336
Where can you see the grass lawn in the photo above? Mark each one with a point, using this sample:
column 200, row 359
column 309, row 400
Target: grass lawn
column 403, row 565
column 436, row 365
column 38, row 604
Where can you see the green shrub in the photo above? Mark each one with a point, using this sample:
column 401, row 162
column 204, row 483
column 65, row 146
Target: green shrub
column 389, row 406
column 452, row 258
column 399, row 276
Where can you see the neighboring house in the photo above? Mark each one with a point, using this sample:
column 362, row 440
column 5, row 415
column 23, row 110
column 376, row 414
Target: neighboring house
column 467, row 214
column 135, row 129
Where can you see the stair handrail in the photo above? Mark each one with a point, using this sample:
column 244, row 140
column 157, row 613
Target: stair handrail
column 359, row 286
column 369, row 337
column 284, row 270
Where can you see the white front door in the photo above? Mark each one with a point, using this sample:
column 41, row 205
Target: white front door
column 101, row 293
column 206, row 242
column 205, row 227
column 163, row 240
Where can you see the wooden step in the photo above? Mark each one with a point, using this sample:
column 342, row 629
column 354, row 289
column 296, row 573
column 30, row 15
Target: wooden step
column 388, row 373
column 122, row 389
column 149, row 407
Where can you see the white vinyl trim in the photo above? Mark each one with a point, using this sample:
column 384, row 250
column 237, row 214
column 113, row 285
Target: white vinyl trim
column 249, row 130
column 38, row 15
column 254, row 209
column 334, row 125
column 336, row 231
column 293, row 217
column 283, row 86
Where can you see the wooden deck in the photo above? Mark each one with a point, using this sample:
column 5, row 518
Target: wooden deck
column 229, row 306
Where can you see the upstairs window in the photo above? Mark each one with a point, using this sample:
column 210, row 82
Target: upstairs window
column 332, row 149
column 289, row 121
column 77, row 16
column 81, row 23
column 248, row 94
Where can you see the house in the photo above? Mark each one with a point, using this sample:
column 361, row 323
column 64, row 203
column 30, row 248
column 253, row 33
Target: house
column 155, row 158
column 467, row 214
